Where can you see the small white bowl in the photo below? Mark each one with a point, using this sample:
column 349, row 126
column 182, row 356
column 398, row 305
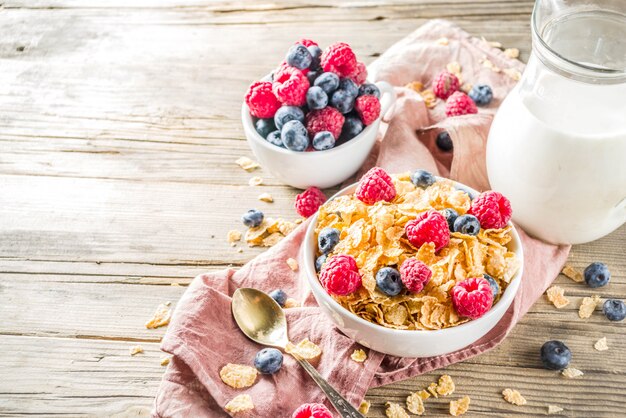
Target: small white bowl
column 406, row 343
column 317, row 168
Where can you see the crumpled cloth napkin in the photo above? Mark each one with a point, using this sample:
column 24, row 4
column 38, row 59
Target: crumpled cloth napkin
column 203, row 336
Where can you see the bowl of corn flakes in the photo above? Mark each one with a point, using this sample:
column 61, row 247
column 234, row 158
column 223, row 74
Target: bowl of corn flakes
column 413, row 265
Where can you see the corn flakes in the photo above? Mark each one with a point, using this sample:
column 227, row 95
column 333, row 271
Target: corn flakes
column 445, row 386
column 269, row 233
column 238, row 375
column 160, row 318
column 136, row 349
column 358, row 355
column 416, row 86
column 571, row 373
column 513, row 397
column 305, row 349
column 572, row 273
column 601, row 344
column 247, row 164
column 239, row 403
column 415, row 404
column 255, row 181
column 443, row 41
column 556, row 295
column 293, row 264
column 511, row 52
column 164, row 361
column 233, row 236
column 364, row 408
column 553, row 409
column 587, row 306
column 394, row 410
column 291, row 303
column 459, row 407
column 266, row 197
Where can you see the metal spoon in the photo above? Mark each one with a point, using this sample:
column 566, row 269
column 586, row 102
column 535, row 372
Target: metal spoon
column 262, row 320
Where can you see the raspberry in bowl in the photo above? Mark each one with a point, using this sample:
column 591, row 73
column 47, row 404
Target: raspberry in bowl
column 417, row 266
column 314, row 120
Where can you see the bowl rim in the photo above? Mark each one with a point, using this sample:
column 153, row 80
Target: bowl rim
column 496, row 311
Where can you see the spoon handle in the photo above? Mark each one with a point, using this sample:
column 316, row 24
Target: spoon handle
column 345, row 409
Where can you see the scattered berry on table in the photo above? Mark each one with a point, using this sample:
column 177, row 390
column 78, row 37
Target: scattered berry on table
column 369, row 89
column 597, row 275
column 422, row 179
column 389, row 281
column 450, row 215
column 327, row 239
column 467, row 224
column 319, row 262
column 309, row 201
column 290, row 86
column 415, row 274
column 339, row 59
column 481, row 94
column 429, row 226
column 279, row 296
column 299, row 57
column 329, row 82
column 460, row 104
column 340, row 275
column 555, row 355
column 316, row 98
column 294, row 136
column 316, row 54
column 287, row 113
column 348, row 85
column 492, row 210
column 444, row 142
column 614, row 309
column 312, row 410
column 368, row 108
column 252, row 218
column 445, row 84
column 351, row 127
column 265, row 126
column 268, row 360
column 306, row 42
column 494, row 285
column 342, row 101
column 261, row 100
column 326, row 119
column 275, row 139
column 374, row 186
column 472, row 298
column 323, row 140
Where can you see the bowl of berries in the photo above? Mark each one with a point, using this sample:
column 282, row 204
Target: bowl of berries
column 314, row 120
column 413, row 265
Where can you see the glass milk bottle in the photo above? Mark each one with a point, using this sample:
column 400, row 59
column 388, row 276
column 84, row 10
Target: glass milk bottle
column 557, row 146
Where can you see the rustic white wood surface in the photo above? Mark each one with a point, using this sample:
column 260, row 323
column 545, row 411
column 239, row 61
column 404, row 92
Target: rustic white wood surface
column 118, row 134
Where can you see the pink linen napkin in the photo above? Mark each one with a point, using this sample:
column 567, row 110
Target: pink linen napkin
column 203, row 336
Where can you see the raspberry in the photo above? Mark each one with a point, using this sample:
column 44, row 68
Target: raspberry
column 374, row 186
column 460, row 104
column 306, row 42
column 492, row 210
column 261, row 100
column 472, row 298
column 414, row 274
column 290, row 86
column 339, row 59
column 278, row 72
column 429, row 226
column 445, row 84
column 312, row 410
column 326, row 119
column 368, row 108
column 309, row 201
column 360, row 74
column 340, row 275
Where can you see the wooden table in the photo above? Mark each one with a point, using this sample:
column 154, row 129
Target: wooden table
column 119, row 131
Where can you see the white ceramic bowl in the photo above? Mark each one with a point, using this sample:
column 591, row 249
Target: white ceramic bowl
column 317, row 168
column 406, row 343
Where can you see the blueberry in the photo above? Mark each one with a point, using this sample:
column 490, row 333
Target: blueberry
column 614, row 310
column 352, row 126
column 327, row 239
column 279, row 296
column 329, row 82
column 252, row 218
column 316, row 98
column 555, row 355
column 495, row 288
column 369, row 89
column 343, row 101
column 316, row 54
column 295, row 136
column 467, row 224
column 265, row 126
column 350, row 86
column 312, row 75
column 597, row 275
column 299, row 57
column 319, row 262
column 268, row 360
column 481, row 94
column 450, row 215
column 274, row 139
column 286, row 113
column 444, row 142
column 388, row 281
column 323, row 140
column 422, row 179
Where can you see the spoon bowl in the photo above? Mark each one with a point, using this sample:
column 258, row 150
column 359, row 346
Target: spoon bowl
column 259, row 317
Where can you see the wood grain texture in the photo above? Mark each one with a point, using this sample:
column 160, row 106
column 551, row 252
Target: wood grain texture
column 119, row 127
